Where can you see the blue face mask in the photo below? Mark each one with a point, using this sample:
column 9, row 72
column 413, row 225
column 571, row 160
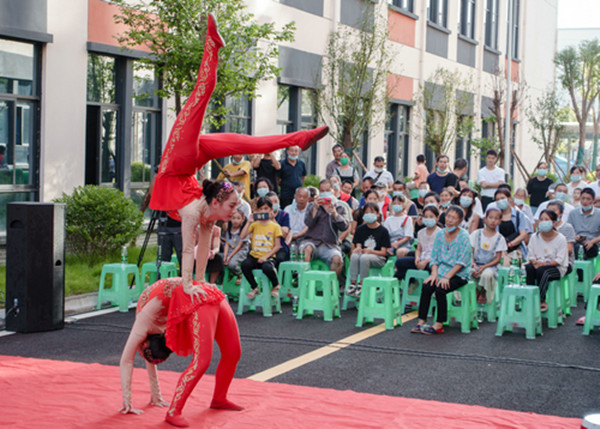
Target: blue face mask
column 545, row 225
column 292, row 158
column 326, row 194
column 466, row 201
column 262, row 191
column 370, row 217
column 587, row 208
column 276, row 207
column 423, row 192
column 451, row 228
column 440, row 171
column 575, row 178
column 519, row 201
column 542, row 172
column 397, row 193
column 237, row 162
column 444, row 205
column 502, row 204
column 561, row 196
column 397, row 208
column 429, row 223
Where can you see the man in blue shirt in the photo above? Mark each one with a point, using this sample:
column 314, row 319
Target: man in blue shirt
column 292, row 174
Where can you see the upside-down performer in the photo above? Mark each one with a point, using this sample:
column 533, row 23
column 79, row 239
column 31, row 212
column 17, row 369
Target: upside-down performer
column 194, row 313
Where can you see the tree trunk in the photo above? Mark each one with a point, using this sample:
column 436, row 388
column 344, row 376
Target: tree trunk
column 595, row 151
column 581, row 149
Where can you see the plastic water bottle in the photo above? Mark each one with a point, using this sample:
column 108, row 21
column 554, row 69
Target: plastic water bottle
column 294, row 305
column 302, row 254
column 523, row 276
column 293, row 253
column 124, row 255
column 580, row 253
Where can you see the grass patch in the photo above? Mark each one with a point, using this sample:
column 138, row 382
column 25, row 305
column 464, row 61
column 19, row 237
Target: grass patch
column 80, row 277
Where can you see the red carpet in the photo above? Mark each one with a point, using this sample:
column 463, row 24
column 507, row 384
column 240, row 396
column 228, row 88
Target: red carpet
column 39, row 393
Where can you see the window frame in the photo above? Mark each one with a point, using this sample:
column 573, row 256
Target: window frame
column 466, row 28
column 491, row 24
column 438, row 10
column 397, row 135
column 405, row 5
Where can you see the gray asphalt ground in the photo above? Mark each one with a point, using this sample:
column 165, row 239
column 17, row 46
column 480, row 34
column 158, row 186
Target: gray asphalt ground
column 557, row 373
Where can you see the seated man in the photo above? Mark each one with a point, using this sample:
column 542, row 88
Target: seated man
column 297, row 212
column 586, row 223
column 324, row 219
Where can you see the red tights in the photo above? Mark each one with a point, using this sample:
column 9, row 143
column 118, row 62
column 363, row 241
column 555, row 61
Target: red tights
column 212, row 322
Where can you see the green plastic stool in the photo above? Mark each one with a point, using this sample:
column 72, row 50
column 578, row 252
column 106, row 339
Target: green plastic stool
column 414, row 298
column 387, row 307
column 592, row 314
column 466, row 312
column 119, row 293
column 347, row 299
column 167, row 269
column 229, row 287
column 263, row 299
column 285, row 273
column 310, row 300
column 175, row 260
column 490, row 308
column 528, row 316
column 318, row 265
column 501, row 281
column 554, row 314
column 565, row 292
column 583, row 288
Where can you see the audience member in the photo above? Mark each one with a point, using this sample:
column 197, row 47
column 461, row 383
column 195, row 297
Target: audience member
column 214, row 266
column 236, row 249
column 560, row 195
column 346, row 171
column 337, row 150
column 267, row 166
column 297, row 213
column 291, row 175
column 262, row 186
column 586, row 222
column 283, row 220
column 537, row 188
column 565, row 229
column 519, row 198
column 471, row 219
column 379, row 173
column 242, row 203
column 441, row 177
column 238, row 169
column 400, row 226
column 577, row 175
column 421, row 171
column 489, row 178
column 515, row 227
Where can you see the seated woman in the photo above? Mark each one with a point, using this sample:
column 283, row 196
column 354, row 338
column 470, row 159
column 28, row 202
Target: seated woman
column 548, row 255
column 445, row 199
column 519, row 199
column 466, row 199
column 371, row 242
column 425, row 237
column 488, row 246
column 265, row 242
column 262, row 187
column 514, row 226
column 400, row 226
column 565, row 229
column 450, row 261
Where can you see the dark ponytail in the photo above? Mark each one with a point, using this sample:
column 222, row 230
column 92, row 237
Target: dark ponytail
column 218, row 189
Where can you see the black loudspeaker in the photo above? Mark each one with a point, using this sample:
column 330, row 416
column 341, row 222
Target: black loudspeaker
column 35, row 269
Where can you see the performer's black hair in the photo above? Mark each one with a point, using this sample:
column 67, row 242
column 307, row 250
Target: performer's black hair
column 211, row 189
column 156, row 351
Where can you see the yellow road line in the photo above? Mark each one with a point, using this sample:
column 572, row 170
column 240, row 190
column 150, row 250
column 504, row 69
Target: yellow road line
column 306, row 358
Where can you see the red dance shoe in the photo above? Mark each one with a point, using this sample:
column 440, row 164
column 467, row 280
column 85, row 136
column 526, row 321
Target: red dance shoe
column 225, row 405
column 317, row 134
column 213, row 30
column 177, row 420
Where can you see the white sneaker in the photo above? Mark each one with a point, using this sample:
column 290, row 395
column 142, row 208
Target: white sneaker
column 351, row 290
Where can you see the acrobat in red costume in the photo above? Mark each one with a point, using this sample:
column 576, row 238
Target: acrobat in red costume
column 176, row 189
column 191, row 326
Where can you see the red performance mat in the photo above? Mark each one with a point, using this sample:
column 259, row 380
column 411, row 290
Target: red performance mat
column 37, row 393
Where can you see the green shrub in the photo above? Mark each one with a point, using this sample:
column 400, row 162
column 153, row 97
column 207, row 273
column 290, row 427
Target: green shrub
column 99, row 221
column 137, row 168
column 312, row 180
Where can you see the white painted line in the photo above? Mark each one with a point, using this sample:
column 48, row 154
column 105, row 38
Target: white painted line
column 95, row 313
column 5, row 333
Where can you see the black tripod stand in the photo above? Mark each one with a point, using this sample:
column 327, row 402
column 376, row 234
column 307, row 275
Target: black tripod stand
column 155, row 217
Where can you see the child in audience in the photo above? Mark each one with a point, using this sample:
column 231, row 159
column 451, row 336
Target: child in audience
column 214, row 266
column 371, row 242
column 488, row 245
column 236, row 249
column 400, row 227
column 265, row 242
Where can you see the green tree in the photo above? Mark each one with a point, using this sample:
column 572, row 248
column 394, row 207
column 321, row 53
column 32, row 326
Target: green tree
column 547, row 118
column 579, row 72
column 174, row 31
column 355, row 69
column 446, row 108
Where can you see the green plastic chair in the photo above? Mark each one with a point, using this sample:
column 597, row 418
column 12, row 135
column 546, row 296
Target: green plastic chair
column 229, row 287
column 320, row 291
column 583, row 288
column 464, row 312
column 263, row 299
column 119, row 293
column 565, row 290
column 413, row 299
column 167, row 269
column 285, row 273
column 388, row 307
column 592, row 314
column 528, row 316
column 554, row 314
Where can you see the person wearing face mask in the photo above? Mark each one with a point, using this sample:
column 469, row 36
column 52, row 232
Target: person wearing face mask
column 577, row 174
column 342, row 196
column 562, row 196
column 238, row 169
column 514, row 226
column 548, row 255
column 441, row 177
column 383, row 198
column 466, row 200
column 345, row 171
column 489, row 178
column 420, row 200
column 267, row 166
column 451, row 258
column 291, row 175
column 519, row 199
column 371, row 243
column 586, row 222
column 379, row 173
column 400, row 226
column 337, row 150
column 262, row 186
column 283, row 220
column 565, row 229
column 537, row 187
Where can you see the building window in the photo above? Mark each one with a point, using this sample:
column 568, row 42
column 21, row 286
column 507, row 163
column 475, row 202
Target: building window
column 407, row 5
column 463, row 145
column 437, row 12
column 19, row 123
column 296, row 110
column 397, row 139
column 514, row 22
column 491, row 24
column 488, row 133
column 466, row 22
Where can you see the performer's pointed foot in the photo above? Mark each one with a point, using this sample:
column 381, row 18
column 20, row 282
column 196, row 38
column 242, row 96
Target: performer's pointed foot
column 213, row 30
column 225, row 405
column 177, row 420
column 317, row 134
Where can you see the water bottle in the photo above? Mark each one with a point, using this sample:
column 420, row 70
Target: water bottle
column 302, row 254
column 523, row 276
column 293, row 252
column 511, row 276
column 580, row 253
column 294, row 305
column 124, row 255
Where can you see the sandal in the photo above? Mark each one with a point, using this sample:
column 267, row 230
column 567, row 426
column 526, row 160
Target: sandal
column 252, row 293
column 430, row 330
column 417, row 329
column 275, row 291
column 351, row 290
column 543, row 307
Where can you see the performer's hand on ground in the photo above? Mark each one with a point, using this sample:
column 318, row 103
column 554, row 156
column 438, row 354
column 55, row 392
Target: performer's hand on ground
column 158, row 402
column 195, row 291
column 128, row 409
